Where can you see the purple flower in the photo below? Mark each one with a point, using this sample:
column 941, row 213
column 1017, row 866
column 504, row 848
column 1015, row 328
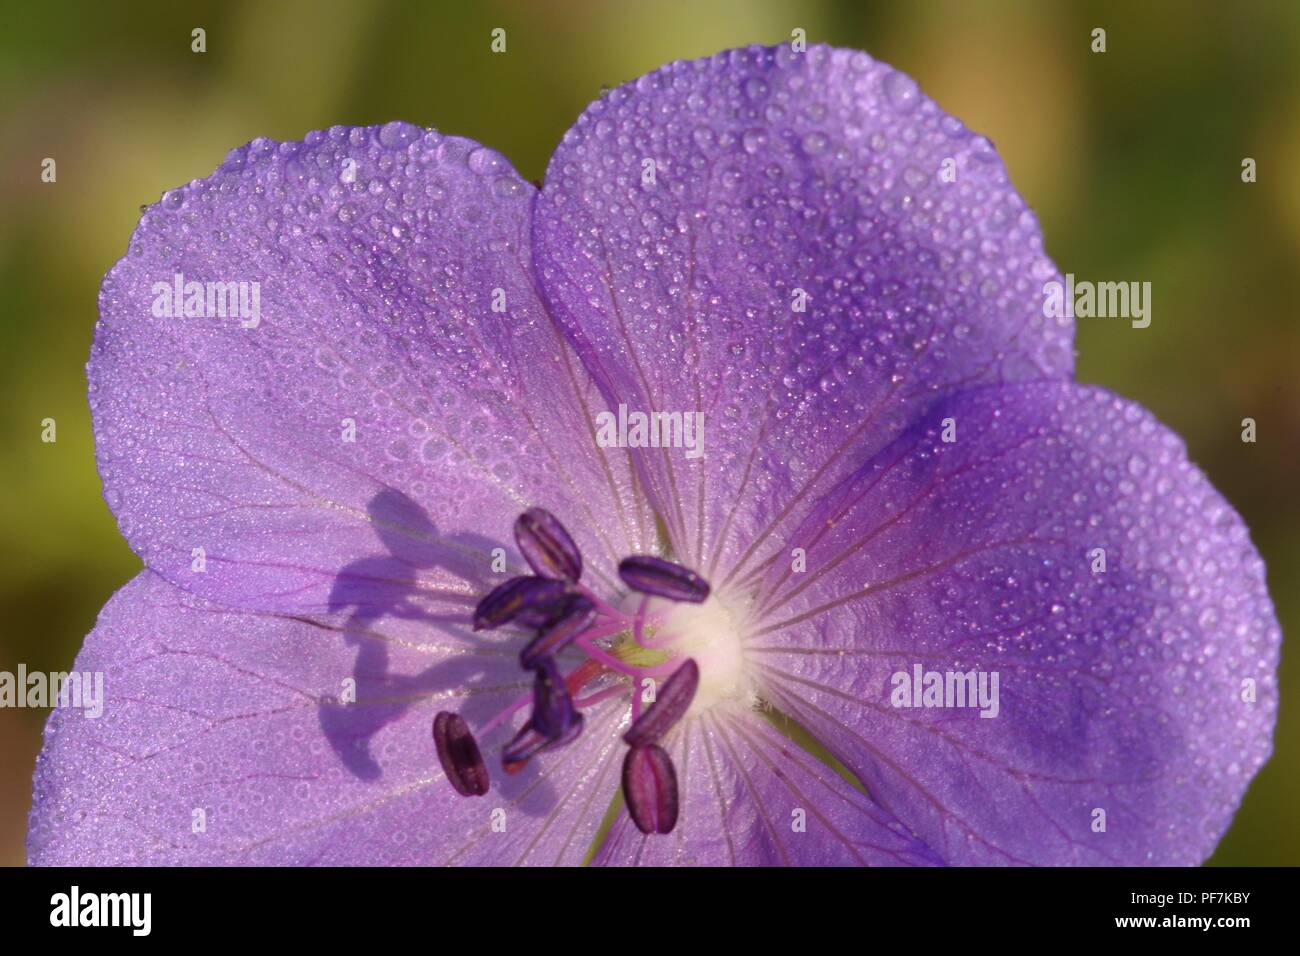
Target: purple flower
column 759, row 384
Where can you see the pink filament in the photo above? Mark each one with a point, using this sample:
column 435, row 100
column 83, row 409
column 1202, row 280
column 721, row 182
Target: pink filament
column 611, row 621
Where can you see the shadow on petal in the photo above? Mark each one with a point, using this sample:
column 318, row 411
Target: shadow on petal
column 390, row 586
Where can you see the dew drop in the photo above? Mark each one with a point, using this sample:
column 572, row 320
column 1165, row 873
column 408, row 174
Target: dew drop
column 901, row 92
column 814, row 143
column 398, row 135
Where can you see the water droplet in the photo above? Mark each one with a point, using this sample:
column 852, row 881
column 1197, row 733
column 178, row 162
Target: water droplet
column 901, row 92
column 814, row 143
column 754, row 140
column 755, row 88
column 398, row 135
column 485, row 161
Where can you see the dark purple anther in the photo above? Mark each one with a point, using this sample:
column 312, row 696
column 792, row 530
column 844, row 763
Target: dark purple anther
column 526, row 600
column 523, row 747
column 529, row 742
column 547, row 547
column 650, row 789
column 671, row 702
column 552, row 707
column 459, row 755
column 576, row 617
column 569, row 734
column 651, row 575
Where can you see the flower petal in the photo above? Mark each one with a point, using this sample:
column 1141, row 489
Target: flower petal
column 750, row 797
column 224, row 739
column 1126, row 731
column 686, row 214
column 401, row 397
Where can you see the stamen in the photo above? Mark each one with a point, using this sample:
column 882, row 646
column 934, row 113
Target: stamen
column 650, row 789
column 529, row 742
column 552, row 707
column 547, row 546
column 623, row 667
column 459, row 755
column 568, row 614
column 638, row 636
column 671, row 703
column 578, row 615
column 591, row 700
column 613, row 613
column 527, row 600
column 651, row 575
column 522, row 748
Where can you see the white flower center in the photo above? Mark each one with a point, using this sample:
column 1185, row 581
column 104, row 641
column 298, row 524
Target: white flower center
column 714, row 634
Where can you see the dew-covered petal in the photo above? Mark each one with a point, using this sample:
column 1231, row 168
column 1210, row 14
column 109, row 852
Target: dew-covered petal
column 804, row 249
column 748, row 796
column 368, row 429
column 228, row 738
column 1063, row 542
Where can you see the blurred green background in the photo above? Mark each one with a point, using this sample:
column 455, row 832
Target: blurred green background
column 1132, row 159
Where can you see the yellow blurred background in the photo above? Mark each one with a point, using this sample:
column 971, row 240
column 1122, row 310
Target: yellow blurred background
column 1131, row 157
